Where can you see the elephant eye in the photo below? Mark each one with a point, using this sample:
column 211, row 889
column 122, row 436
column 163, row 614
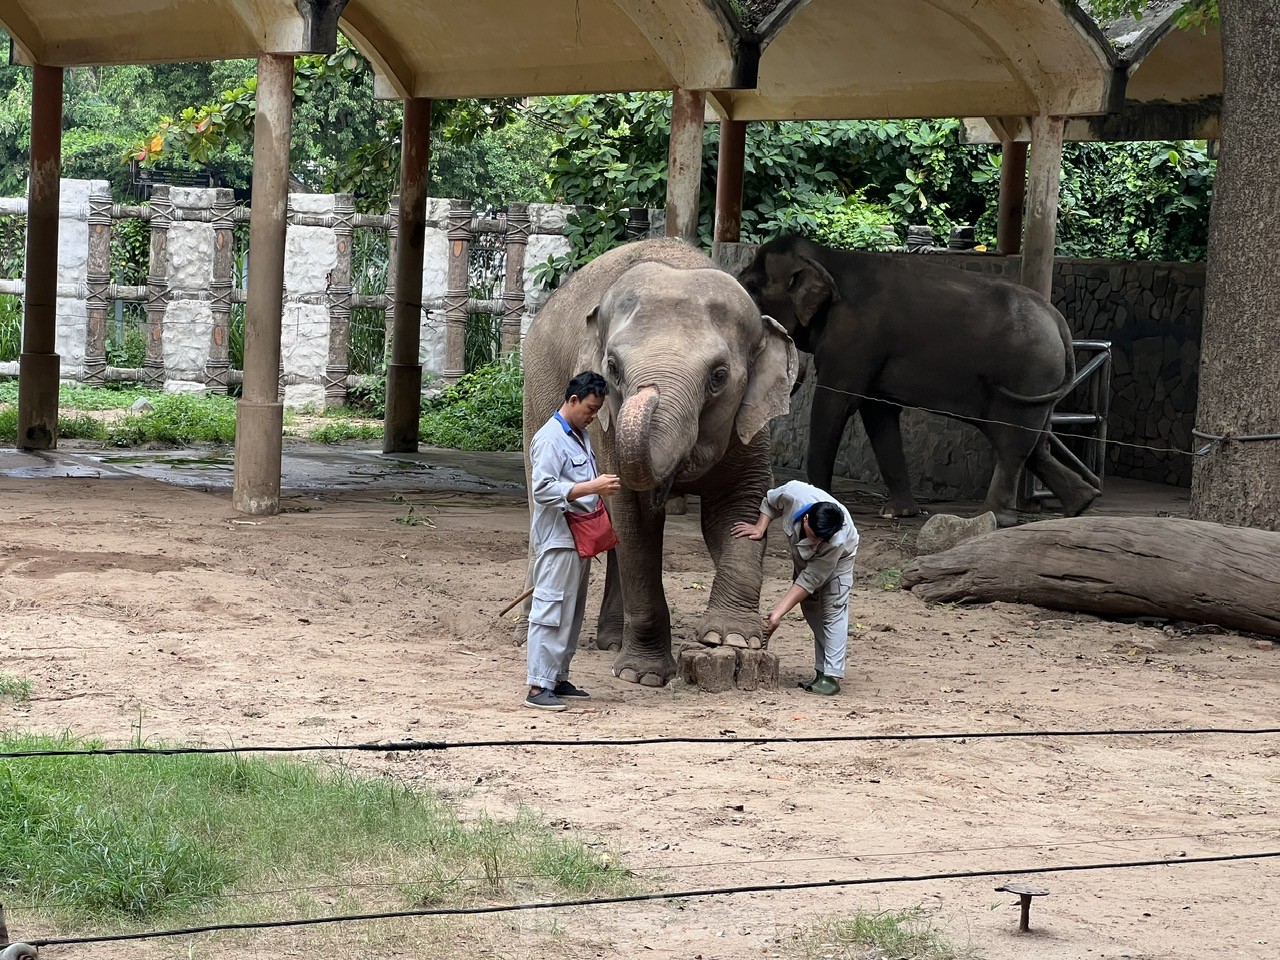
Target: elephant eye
column 611, row 367
column 795, row 279
column 719, row 377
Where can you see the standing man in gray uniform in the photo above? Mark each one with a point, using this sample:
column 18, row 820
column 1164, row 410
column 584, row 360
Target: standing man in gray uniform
column 824, row 543
column 563, row 477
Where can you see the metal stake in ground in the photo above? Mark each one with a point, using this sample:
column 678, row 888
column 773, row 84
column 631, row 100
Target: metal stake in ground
column 1025, row 893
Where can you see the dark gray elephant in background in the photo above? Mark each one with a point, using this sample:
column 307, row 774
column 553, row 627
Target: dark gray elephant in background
column 886, row 332
column 695, row 375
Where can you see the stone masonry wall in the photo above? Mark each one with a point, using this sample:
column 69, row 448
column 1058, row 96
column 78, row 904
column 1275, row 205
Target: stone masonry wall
column 1151, row 313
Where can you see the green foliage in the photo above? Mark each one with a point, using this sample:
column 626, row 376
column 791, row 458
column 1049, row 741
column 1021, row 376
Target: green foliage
column 1195, row 14
column 841, row 182
column 10, row 327
column 484, row 410
column 1141, row 201
column 115, row 397
column 99, row 840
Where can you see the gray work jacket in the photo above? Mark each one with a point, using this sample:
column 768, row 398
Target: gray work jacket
column 816, row 561
column 559, row 458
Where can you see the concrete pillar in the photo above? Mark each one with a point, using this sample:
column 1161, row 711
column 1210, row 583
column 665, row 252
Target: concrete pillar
column 729, row 170
column 260, row 414
column 1013, row 197
column 1042, row 204
column 684, row 163
column 38, row 366
column 404, row 372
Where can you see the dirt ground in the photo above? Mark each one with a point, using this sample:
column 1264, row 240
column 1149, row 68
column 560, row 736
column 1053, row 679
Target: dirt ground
column 128, row 600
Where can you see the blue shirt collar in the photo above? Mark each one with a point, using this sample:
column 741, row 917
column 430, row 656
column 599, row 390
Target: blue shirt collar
column 800, row 512
column 564, row 423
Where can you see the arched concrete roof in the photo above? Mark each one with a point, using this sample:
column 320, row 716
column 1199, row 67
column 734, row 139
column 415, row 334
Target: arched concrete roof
column 430, row 48
column 845, row 59
column 1172, row 90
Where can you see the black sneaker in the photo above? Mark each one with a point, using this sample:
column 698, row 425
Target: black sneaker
column 566, row 689
column 544, row 700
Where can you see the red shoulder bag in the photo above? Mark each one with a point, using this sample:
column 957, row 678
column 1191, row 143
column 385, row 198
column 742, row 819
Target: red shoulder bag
column 592, row 531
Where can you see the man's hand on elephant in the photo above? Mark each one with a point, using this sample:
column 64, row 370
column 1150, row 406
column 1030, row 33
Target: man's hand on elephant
column 606, row 483
column 748, row 530
column 772, row 622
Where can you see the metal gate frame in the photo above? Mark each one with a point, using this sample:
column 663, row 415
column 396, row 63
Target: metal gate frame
column 1097, row 372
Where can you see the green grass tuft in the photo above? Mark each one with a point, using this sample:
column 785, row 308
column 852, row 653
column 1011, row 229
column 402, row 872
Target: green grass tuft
column 111, row 840
column 17, row 689
column 902, row 934
column 341, row 430
column 482, row 411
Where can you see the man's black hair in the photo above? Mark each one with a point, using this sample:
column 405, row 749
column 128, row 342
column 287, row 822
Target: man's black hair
column 825, row 520
column 586, row 384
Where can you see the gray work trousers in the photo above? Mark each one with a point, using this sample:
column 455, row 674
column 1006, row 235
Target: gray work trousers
column 560, row 579
column 826, row 610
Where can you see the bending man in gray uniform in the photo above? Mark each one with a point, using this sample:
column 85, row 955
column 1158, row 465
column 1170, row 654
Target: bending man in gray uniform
column 563, row 477
column 823, row 543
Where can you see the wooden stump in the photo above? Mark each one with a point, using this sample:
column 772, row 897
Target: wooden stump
column 717, row 669
column 1122, row 566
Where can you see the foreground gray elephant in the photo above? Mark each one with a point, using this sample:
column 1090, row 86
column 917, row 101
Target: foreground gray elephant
column 695, row 374
column 886, row 332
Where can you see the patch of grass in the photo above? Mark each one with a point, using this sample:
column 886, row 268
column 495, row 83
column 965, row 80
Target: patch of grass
column 901, row 934
column 888, row 578
column 178, row 420
column 104, row 398
column 341, row 430
column 102, row 841
column 17, row 689
column 411, row 519
column 82, row 427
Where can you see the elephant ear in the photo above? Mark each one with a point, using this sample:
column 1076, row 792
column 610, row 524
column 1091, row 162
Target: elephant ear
column 812, row 290
column 591, row 357
column 773, row 370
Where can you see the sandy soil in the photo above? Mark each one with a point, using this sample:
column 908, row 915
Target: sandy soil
column 125, row 598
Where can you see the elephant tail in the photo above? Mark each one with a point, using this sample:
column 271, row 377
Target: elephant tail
column 1062, row 389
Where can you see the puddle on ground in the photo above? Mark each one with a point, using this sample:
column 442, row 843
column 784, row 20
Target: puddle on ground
column 174, row 463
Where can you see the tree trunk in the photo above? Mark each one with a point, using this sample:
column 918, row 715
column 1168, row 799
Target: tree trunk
column 1121, row 566
column 1239, row 482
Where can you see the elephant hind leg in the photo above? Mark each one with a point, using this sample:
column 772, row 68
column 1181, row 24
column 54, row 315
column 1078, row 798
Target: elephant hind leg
column 1073, row 491
column 884, row 430
column 609, row 626
column 1012, row 445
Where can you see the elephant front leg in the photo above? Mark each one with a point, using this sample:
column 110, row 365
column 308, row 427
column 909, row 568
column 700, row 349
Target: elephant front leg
column 645, row 655
column 609, row 626
column 732, row 617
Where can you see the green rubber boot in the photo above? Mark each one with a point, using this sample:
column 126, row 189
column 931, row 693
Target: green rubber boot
column 827, row 686
column 808, row 684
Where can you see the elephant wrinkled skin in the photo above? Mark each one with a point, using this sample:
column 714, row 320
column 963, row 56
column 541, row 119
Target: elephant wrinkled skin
column 695, row 375
column 889, row 332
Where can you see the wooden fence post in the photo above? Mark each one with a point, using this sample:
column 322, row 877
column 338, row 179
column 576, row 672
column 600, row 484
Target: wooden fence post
column 215, row 368
column 157, row 284
column 458, row 291
column 518, row 223
column 98, row 279
column 339, row 290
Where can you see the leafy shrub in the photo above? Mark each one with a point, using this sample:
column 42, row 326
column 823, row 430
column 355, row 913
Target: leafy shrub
column 484, row 410
column 10, row 327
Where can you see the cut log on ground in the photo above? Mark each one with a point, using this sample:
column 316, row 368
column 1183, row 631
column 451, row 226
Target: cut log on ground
column 1117, row 566
column 717, row 669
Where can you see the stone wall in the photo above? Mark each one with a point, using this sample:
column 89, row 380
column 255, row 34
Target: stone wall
column 1151, row 313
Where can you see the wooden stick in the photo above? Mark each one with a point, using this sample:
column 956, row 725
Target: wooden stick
column 518, row 600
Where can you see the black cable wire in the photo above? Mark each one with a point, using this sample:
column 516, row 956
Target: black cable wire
column 647, row 897
column 411, row 746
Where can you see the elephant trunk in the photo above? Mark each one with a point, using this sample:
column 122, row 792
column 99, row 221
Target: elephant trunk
column 635, row 460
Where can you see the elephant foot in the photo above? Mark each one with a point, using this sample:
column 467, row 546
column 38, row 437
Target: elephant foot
column 1005, row 517
column 646, row 668
column 731, row 628
column 900, row 505
column 1078, row 504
